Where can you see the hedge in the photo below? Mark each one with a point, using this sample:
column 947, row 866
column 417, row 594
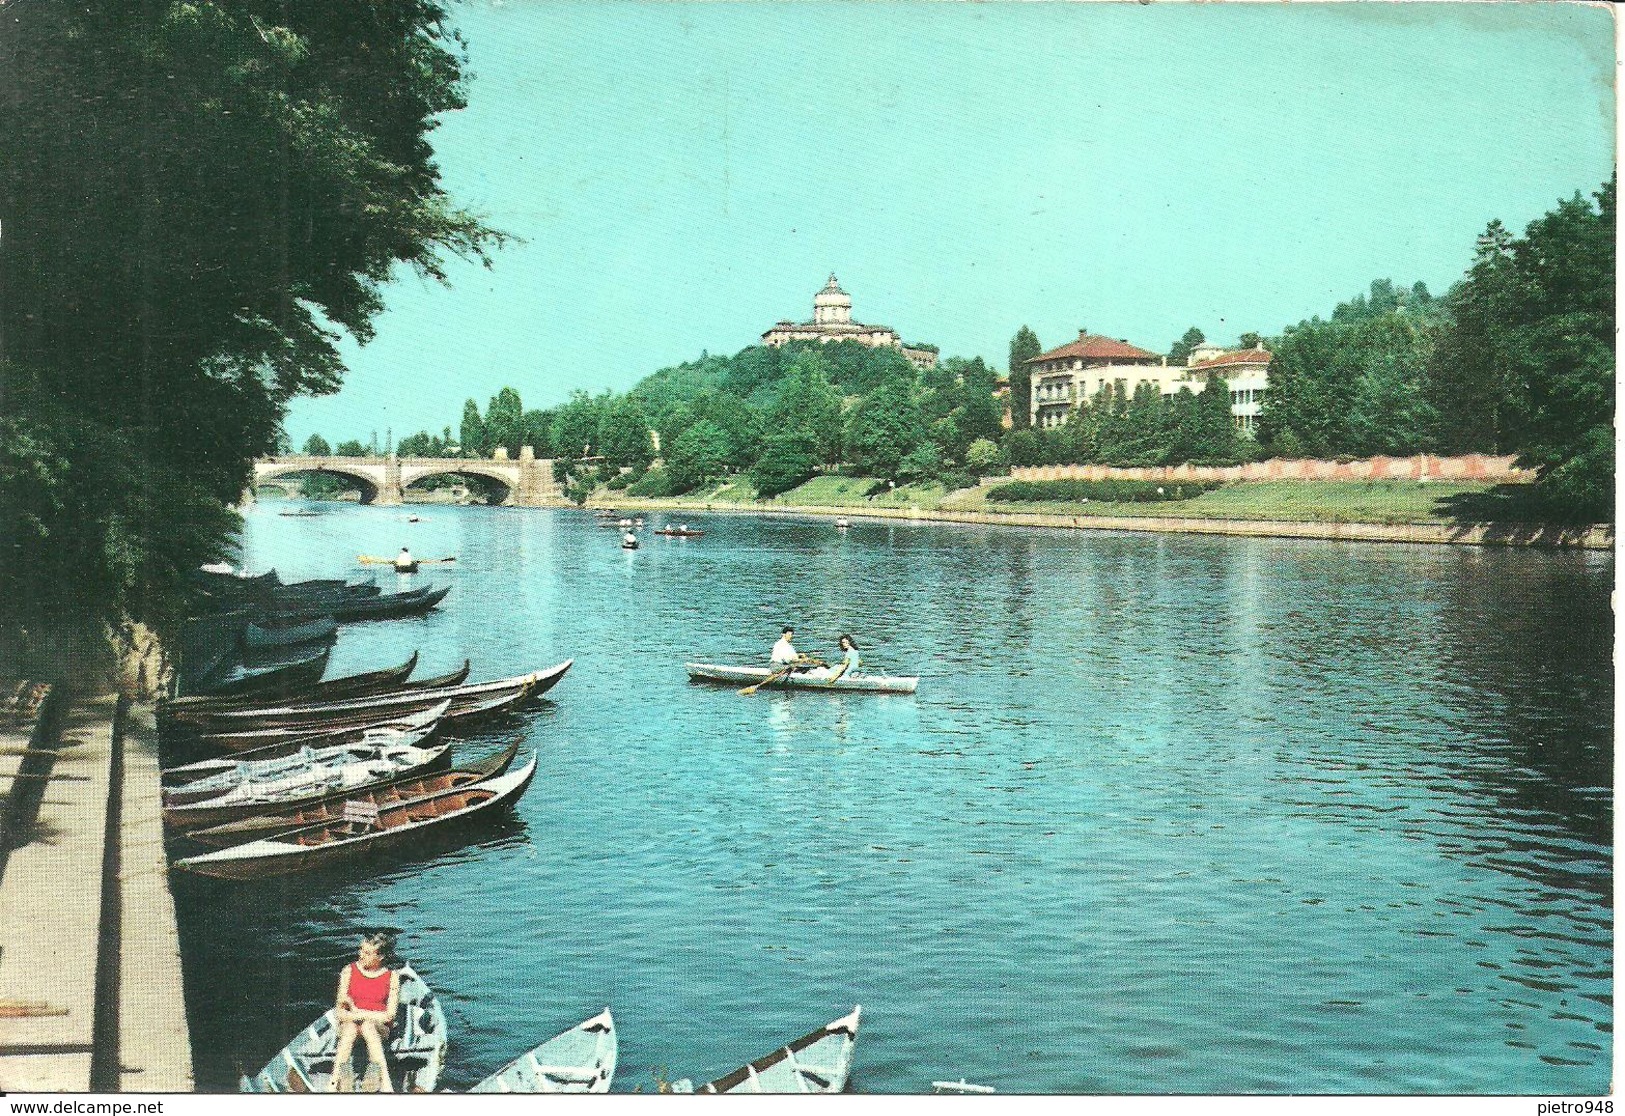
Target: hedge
column 1105, row 491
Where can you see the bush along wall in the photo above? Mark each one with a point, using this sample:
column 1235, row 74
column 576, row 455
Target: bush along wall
column 1105, row 491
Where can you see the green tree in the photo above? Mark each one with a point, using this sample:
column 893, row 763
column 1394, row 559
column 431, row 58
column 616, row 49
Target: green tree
column 316, row 446
column 504, row 419
column 575, row 426
column 198, row 197
column 981, row 457
column 623, row 433
column 351, row 448
column 883, row 428
column 808, row 403
column 1024, row 346
column 700, row 453
column 1253, row 340
column 1024, row 448
column 471, row 434
column 1215, row 426
column 1180, row 351
column 536, row 431
column 787, row 460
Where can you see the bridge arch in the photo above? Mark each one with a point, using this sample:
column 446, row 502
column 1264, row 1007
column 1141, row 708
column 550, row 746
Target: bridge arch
column 357, row 475
column 504, row 480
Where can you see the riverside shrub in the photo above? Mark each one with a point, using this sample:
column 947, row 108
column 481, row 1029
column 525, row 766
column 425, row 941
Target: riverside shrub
column 1104, row 491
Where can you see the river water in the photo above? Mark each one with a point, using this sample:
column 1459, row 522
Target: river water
column 1168, row 813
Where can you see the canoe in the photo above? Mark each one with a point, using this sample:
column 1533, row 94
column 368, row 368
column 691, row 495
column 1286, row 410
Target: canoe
column 368, row 684
column 266, row 762
column 350, row 729
column 581, row 1060
column 353, row 685
column 386, row 607
column 348, row 772
column 673, row 533
column 417, row 1048
column 797, row 680
column 281, row 633
column 328, row 714
column 362, row 832
column 819, row 1062
column 292, row 675
column 405, row 789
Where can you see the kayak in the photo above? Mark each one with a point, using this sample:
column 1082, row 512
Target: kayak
column 375, row 560
column 799, row 680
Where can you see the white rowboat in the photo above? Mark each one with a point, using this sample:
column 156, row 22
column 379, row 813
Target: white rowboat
column 819, row 1062
column 417, row 1048
column 799, row 680
column 581, row 1060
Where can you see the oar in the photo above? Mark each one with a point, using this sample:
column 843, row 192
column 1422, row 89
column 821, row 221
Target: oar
column 781, row 674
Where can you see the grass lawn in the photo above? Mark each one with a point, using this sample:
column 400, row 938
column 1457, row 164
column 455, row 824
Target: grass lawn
column 1382, row 501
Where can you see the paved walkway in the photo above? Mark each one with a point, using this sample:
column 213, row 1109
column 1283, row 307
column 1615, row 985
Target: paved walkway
column 90, row 978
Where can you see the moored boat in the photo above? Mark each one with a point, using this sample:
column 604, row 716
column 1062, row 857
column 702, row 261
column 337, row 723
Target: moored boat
column 275, row 760
column 799, row 680
column 387, row 607
column 354, row 685
column 282, row 633
column 331, row 809
column 363, row 831
column 292, row 675
column 317, row 715
column 818, row 1062
column 581, row 1060
column 417, row 1047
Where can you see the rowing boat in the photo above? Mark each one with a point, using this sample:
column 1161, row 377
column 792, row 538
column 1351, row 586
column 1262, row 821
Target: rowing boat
column 341, row 773
column 799, row 680
column 331, row 809
column 581, row 1060
column 417, row 1047
column 291, row 675
column 350, row 729
column 282, row 633
column 819, row 1062
column 264, row 763
column 339, row 689
column 334, row 713
column 680, row 532
column 363, row 831
column 354, row 685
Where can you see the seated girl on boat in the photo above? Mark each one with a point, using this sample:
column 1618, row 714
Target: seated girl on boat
column 850, row 661
column 369, row 994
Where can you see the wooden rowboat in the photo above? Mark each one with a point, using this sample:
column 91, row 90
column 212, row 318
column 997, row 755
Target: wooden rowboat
column 362, row 831
column 282, row 633
column 355, row 685
column 581, row 1060
column 333, row 732
column 295, row 675
column 404, row 789
column 266, row 763
column 333, row 714
column 680, row 533
column 387, row 607
column 342, row 774
column 798, row 680
column 819, row 1062
column 417, row 1047
column 339, row 689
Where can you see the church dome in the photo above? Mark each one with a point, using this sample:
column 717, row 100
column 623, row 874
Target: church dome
column 832, row 295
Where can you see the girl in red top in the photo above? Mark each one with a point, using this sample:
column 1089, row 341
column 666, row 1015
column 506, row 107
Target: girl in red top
column 369, row 993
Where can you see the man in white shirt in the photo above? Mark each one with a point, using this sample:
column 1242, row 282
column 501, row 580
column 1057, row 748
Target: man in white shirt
column 784, row 653
column 404, row 562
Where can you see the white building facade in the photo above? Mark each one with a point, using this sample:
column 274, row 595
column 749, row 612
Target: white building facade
column 832, row 321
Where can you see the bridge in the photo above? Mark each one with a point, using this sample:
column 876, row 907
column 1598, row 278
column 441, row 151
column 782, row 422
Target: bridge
column 527, row 482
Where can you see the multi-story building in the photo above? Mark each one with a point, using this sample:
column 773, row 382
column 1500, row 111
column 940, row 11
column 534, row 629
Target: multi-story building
column 1074, row 373
column 832, row 321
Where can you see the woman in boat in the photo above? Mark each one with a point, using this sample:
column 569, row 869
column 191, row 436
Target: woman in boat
column 369, row 994
column 850, row 660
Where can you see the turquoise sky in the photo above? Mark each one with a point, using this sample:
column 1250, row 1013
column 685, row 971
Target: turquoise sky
column 684, row 175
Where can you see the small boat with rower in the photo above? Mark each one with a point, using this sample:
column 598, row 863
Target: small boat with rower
column 417, row 1047
column 799, row 680
column 684, row 531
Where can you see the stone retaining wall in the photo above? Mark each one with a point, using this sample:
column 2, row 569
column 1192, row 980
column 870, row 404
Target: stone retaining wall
column 1472, row 466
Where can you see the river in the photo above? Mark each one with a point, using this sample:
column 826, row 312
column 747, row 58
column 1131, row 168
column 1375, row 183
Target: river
column 1168, row 813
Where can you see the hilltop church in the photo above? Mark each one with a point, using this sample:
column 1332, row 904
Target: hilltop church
column 832, row 321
